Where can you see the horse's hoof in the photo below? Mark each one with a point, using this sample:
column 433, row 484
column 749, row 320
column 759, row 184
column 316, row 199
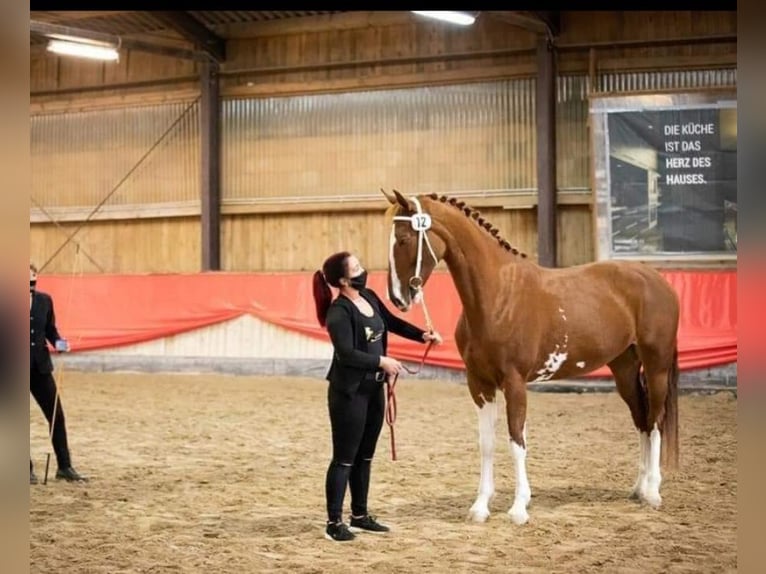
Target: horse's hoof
column 635, row 495
column 518, row 516
column 653, row 500
column 478, row 514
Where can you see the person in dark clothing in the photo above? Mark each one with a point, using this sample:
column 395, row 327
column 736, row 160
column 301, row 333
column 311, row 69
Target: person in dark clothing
column 42, row 385
column 358, row 323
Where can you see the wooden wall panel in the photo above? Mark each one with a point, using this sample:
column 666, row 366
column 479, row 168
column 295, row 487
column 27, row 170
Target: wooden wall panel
column 294, row 242
column 43, row 73
column 74, row 72
column 602, row 26
column 302, row 241
column 410, row 37
column 608, row 29
column 360, row 37
column 50, row 72
column 170, row 245
column 574, row 235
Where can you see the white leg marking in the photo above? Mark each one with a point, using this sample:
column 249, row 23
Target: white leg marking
column 396, row 285
column 518, row 512
column 487, row 418
column 639, row 488
column 654, row 477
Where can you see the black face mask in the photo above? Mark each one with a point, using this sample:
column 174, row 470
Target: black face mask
column 32, row 285
column 358, row 282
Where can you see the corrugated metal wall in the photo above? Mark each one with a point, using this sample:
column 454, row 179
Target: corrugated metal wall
column 476, row 136
column 572, row 144
column 666, row 80
column 78, row 158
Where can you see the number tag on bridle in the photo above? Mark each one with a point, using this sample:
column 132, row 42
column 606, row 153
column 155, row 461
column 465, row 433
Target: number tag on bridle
column 421, row 222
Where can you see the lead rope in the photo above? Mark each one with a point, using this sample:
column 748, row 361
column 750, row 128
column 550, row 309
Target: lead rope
column 391, row 383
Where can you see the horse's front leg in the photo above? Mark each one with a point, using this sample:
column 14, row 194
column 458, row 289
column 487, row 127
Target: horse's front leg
column 515, row 392
column 487, row 415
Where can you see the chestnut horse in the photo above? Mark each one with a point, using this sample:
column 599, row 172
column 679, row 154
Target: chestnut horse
column 525, row 323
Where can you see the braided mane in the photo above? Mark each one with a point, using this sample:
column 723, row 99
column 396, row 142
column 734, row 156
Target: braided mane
column 475, row 214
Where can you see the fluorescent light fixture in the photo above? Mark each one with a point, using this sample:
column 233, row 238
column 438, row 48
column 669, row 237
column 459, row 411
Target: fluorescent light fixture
column 461, row 18
column 84, row 50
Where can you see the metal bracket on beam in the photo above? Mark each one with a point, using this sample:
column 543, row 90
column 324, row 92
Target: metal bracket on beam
column 195, row 31
column 537, row 22
column 47, row 29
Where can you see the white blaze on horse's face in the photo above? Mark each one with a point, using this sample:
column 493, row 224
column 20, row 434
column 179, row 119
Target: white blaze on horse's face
column 411, row 256
column 402, row 264
column 394, row 284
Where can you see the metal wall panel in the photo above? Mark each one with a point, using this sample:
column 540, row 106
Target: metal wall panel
column 666, row 80
column 572, row 143
column 471, row 137
column 78, row 158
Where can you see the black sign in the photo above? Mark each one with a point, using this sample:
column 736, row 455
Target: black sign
column 673, row 181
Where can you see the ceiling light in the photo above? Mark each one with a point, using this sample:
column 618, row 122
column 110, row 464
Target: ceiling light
column 84, row 50
column 461, row 18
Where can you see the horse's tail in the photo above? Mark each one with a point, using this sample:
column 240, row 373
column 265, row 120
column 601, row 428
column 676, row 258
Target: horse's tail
column 669, row 428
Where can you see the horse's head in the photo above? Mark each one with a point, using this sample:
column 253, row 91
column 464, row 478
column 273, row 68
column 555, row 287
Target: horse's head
column 414, row 249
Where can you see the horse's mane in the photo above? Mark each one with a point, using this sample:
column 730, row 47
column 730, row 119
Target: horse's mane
column 471, row 213
column 476, row 215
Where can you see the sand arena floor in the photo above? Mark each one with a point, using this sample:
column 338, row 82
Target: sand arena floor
column 226, row 474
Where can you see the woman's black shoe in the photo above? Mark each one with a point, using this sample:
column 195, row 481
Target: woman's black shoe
column 338, row 531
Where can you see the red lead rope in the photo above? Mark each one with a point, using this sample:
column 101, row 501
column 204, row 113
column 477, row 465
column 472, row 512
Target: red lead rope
column 391, row 398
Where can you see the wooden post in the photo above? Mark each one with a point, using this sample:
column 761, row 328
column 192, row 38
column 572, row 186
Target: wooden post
column 210, row 135
column 546, row 152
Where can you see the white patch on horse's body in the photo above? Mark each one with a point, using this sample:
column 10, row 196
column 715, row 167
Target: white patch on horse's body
column 551, row 366
column 555, row 359
column 487, row 419
column 396, row 285
column 518, row 512
column 653, row 475
column 580, row 364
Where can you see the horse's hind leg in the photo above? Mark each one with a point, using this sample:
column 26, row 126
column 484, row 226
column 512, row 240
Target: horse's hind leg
column 486, row 410
column 515, row 390
column 661, row 389
column 626, row 369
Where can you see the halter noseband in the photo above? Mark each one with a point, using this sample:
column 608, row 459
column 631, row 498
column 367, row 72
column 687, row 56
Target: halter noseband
column 420, row 222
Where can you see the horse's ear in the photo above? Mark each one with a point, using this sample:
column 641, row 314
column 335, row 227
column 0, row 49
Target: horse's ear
column 391, row 199
column 402, row 200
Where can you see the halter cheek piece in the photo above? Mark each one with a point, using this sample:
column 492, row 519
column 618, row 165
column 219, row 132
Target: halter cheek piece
column 420, row 222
